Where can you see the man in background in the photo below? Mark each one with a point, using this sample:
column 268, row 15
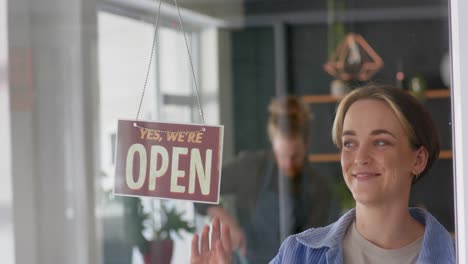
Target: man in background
column 251, row 184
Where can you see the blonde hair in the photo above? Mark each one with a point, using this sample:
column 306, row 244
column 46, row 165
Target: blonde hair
column 413, row 117
column 289, row 117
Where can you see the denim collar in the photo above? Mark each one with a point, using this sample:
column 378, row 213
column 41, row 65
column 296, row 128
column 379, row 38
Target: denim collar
column 438, row 246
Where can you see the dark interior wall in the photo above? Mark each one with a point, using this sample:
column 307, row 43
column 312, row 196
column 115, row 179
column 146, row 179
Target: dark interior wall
column 257, row 7
column 253, row 85
column 413, row 46
column 307, row 53
column 416, row 46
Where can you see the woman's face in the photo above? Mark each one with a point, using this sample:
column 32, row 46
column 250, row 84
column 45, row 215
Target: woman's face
column 376, row 158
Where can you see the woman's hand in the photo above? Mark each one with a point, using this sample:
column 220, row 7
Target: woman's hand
column 220, row 251
column 238, row 239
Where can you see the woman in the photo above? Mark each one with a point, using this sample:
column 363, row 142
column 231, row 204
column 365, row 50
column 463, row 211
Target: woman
column 388, row 141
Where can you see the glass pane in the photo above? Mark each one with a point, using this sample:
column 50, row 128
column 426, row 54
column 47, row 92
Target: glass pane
column 246, row 54
column 124, row 49
column 403, row 43
column 176, row 113
column 275, row 186
column 175, row 74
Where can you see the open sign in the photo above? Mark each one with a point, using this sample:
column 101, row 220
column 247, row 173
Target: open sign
column 166, row 160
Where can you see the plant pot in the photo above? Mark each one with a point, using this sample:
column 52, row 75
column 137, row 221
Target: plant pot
column 160, row 251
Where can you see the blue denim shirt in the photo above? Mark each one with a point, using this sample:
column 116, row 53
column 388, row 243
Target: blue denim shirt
column 324, row 245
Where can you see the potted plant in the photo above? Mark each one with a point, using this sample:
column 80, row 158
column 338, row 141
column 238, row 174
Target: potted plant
column 164, row 223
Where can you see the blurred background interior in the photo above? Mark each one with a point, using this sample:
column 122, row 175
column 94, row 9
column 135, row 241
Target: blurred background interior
column 70, row 68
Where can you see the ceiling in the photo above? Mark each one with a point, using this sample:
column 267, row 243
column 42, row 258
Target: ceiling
column 246, row 10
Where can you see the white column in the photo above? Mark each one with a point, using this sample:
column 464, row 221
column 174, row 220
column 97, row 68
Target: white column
column 6, row 193
column 53, row 87
column 459, row 45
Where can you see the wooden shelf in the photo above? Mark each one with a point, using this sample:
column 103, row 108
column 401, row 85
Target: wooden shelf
column 324, row 157
column 335, row 157
column 318, row 99
column 439, row 93
column 326, row 98
column 446, row 154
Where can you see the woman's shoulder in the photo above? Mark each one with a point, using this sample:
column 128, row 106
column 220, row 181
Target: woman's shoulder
column 315, row 244
column 437, row 242
column 295, row 250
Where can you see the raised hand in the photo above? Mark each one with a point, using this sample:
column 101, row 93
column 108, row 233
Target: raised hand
column 238, row 238
column 220, row 251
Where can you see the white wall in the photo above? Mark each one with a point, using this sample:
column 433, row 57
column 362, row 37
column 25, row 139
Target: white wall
column 52, row 81
column 459, row 45
column 6, row 199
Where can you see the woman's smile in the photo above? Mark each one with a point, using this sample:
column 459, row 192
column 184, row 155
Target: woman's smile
column 365, row 175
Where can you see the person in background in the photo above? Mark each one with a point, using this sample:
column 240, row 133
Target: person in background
column 251, row 182
column 388, row 141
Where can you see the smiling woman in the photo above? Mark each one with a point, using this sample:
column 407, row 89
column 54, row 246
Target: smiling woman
column 375, row 153
column 388, row 141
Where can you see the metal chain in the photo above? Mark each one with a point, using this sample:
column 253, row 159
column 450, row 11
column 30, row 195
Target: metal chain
column 153, row 48
column 200, row 110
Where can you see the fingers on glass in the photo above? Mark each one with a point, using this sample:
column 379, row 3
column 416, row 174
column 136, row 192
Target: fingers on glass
column 220, row 241
column 216, row 232
column 226, row 240
column 205, row 240
column 195, row 252
column 220, row 251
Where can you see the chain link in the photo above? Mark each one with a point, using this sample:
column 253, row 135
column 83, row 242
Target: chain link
column 153, row 49
column 200, row 110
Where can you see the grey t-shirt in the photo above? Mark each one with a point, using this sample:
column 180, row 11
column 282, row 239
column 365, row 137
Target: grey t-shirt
column 358, row 250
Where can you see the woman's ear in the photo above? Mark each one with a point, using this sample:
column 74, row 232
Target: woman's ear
column 422, row 155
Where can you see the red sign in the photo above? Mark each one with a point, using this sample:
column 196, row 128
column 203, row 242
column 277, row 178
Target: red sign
column 166, row 160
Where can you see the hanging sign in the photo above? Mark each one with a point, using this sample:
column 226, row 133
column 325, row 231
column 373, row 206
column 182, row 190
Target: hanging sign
column 167, row 160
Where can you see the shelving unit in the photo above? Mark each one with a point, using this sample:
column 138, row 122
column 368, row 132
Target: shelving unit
column 335, row 157
column 326, row 98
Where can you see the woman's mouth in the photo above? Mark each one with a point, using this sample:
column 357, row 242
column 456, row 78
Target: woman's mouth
column 364, row 176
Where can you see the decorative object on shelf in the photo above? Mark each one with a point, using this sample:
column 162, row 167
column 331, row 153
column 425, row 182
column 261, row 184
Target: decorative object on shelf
column 400, row 79
column 418, row 87
column 445, row 69
column 400, row 74
column 354, row 59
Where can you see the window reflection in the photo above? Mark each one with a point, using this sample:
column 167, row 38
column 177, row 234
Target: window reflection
column 411, row 38
column 124, row 47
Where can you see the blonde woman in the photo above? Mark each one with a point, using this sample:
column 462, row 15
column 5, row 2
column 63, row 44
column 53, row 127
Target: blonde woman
column 388, row 142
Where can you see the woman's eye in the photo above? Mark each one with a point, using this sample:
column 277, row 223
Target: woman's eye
column 381, row 143
column 347, row 144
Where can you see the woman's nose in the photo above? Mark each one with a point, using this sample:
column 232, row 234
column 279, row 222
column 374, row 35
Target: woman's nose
column 362, row 156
